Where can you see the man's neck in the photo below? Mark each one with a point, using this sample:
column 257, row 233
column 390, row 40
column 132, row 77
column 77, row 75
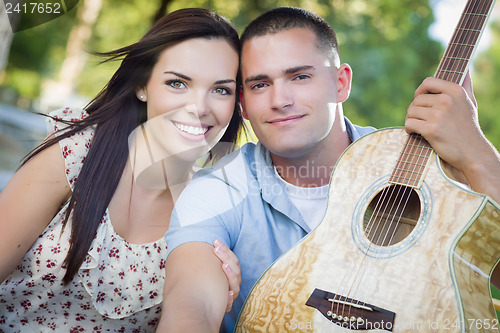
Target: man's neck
column 315, row 168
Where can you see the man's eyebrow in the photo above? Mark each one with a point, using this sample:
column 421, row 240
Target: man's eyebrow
column 256, row 78
column 182, row 76
column 287, row 71
column 298, row 69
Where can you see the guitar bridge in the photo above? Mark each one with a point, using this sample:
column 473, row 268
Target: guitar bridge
column 350, row 313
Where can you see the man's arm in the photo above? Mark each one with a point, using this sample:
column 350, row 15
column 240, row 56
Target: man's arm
column 446, row 115
column 195, row 291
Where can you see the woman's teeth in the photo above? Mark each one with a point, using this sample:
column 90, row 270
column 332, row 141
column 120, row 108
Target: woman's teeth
column 193, row 130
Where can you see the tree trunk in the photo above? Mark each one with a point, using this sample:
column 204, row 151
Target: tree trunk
column 59, row 93
column 162, row 10
column 5, row 37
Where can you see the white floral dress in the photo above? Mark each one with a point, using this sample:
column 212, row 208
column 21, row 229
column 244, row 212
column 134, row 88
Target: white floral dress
column 118, row 288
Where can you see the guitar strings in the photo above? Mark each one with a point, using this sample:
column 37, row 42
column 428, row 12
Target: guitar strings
column 461, row 61
column 457, row 76
column 420, row 164
column 377, row 219
column 386, row 196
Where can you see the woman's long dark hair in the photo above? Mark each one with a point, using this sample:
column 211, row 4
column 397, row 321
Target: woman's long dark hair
column 116, row 112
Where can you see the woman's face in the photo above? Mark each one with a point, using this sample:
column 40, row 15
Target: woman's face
column 190, row 97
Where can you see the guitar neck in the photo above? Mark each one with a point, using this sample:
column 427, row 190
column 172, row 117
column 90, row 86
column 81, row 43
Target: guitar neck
column 456, row 59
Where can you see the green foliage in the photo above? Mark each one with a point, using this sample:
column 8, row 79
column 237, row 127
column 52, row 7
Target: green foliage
column 486, row 83
column 37, row 52
column 120, row 23
column 26, row 82
column 386, row 43
column 495, row 293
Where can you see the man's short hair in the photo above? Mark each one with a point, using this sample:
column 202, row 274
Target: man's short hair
column 286, row 18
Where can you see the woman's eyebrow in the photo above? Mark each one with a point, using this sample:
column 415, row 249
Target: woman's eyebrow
column 182, row 76
column 225, row 81
column 187, row 78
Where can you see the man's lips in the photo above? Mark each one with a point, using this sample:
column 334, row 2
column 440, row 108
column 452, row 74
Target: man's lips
column 285, row 120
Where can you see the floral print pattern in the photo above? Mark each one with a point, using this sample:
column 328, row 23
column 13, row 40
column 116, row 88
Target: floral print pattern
column 119, row 287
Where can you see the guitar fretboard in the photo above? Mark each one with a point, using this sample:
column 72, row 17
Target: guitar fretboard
column 413, row 161
column 416, row 153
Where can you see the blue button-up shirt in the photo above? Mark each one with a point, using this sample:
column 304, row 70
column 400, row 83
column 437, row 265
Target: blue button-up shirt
column 241, row 202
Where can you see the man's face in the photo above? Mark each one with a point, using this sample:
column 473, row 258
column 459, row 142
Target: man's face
column 291, row 90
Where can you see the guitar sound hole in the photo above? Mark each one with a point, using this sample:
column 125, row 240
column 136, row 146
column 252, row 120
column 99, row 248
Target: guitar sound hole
column 392, row 215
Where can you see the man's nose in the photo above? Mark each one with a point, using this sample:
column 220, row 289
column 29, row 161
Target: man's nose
column 281, row 98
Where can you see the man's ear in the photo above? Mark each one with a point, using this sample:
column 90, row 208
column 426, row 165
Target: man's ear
column 242, row 103
column 344, row 79
column 141, row 94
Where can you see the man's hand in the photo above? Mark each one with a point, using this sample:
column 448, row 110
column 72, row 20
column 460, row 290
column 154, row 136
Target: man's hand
column 445, row 114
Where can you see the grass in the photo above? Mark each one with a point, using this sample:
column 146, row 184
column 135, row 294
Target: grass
column 496, row 294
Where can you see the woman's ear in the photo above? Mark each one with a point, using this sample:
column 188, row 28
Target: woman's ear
column 141, row 94
column 242, row 103
column 344, row 79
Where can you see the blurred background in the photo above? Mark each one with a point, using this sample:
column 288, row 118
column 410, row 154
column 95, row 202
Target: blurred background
column 391, row 45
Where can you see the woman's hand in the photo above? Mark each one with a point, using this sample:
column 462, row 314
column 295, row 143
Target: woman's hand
column 231, row 267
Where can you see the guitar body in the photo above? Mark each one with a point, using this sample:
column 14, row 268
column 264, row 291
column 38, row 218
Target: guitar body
column 430, row 275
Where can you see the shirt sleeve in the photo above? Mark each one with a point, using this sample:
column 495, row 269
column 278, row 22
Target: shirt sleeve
column 210, row 207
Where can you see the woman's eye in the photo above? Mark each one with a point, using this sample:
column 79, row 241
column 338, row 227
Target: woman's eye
column 176, row 84
column 223, row 91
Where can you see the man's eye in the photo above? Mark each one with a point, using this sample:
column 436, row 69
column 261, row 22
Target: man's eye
column 176, row 84
column 301, row 77
column 259, row 86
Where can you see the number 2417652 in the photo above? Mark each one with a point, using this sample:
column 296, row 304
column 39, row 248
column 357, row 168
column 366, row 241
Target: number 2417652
column 33, row 8
column 472, row 324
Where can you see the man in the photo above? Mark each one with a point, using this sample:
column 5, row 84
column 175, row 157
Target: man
column 263, row 199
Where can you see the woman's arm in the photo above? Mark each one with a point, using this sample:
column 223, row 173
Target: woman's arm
column 195, row 292
column 28, row 203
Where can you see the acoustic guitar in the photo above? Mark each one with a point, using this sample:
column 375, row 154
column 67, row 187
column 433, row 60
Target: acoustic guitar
column 403, row 247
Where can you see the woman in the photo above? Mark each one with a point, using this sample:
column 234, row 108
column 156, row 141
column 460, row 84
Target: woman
column 172, row 98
